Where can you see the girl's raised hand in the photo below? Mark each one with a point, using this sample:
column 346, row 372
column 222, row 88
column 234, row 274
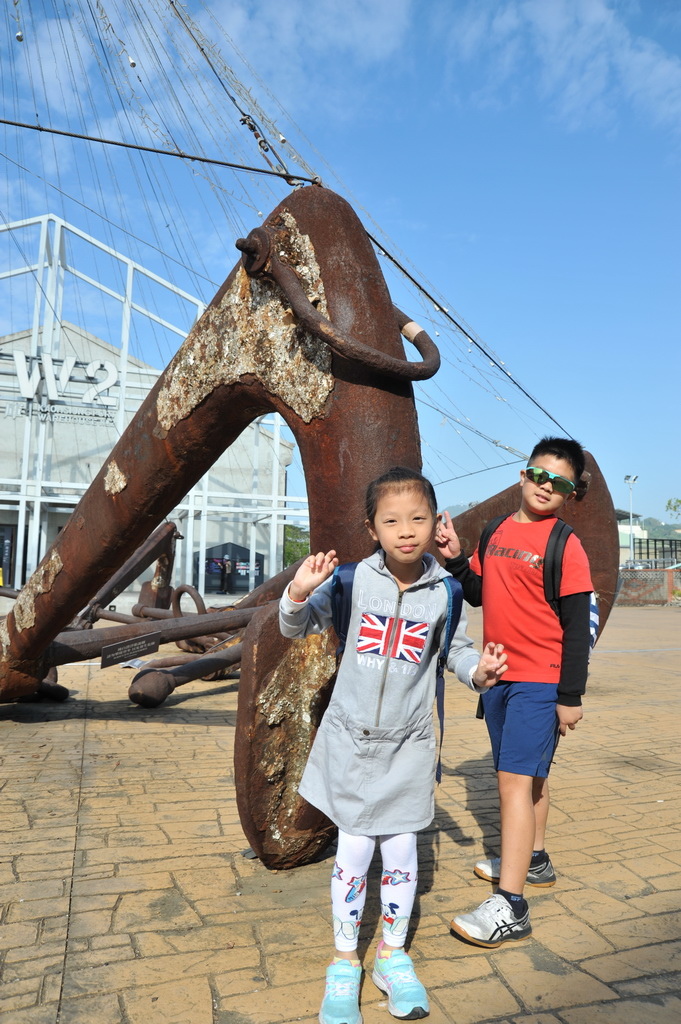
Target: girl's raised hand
column 313, row 571
column 446, row 537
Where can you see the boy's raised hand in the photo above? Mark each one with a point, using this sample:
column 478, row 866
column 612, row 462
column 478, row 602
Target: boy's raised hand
column 313, row 571
column 491, row 666
column 446, row 537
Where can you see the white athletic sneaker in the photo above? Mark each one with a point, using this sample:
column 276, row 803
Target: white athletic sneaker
column 492, row 923
column 541, row 877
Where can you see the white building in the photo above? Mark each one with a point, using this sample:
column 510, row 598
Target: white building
column 67, row 394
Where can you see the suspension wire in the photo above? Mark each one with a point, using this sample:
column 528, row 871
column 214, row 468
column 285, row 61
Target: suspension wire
column 213, row 59
column 98, row 32
column 474, row 472
column 208, row 116
column 107, row 220
column 469, row 337
column 246, row 119
column 474, row 430
column 286, row 176
column 194, row 34
column 248, row 98
column 291, row 179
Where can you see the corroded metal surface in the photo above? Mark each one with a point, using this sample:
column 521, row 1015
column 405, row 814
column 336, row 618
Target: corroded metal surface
column 261, row 260
column 247, row 355
column 152, row 685
column 294, row 340
column 285, row 688
column 368, row 425
column 79, row 645
column 160, row 546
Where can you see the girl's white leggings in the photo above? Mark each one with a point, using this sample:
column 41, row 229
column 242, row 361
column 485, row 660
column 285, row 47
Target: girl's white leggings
column 349, row 880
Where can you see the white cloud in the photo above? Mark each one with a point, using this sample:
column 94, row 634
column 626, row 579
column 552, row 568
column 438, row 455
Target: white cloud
column 310, row 55
column 48, row 78
column 368, row 31
column 580, row 56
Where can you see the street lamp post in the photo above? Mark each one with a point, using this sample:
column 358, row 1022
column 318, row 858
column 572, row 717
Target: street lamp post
column 631, row 480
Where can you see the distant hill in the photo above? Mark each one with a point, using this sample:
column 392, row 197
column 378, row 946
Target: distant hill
column 661, row 531
column 456, row 510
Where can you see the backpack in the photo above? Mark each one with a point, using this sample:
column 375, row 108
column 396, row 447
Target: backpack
column 341, row 604
column 553, row 570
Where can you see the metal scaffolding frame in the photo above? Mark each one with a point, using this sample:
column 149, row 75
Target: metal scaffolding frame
column 42, row 384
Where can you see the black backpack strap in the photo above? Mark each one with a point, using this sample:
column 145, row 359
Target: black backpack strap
column 454, row 606
column 487, row 531
column 553, row 561
column 341, row 601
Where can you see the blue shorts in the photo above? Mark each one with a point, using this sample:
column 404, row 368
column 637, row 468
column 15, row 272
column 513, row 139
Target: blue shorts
column 523, row 726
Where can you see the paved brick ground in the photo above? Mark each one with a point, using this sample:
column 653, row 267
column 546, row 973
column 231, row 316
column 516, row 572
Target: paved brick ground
column 127, row 899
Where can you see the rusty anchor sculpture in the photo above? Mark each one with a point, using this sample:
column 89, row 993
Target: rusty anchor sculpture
column 303, row 326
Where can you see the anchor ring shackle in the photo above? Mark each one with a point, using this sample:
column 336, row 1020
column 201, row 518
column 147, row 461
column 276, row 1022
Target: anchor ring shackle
column 258, row 259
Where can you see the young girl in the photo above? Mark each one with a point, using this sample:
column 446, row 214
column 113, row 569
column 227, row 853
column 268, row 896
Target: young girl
column 371, row 768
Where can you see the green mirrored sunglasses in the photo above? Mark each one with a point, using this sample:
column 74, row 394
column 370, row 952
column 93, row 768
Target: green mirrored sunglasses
column 561, row 484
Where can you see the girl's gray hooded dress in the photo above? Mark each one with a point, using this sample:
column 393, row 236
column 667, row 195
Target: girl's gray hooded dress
column 372, row 764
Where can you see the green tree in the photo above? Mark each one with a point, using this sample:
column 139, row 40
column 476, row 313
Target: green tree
column 673, row 506
column 296, row 544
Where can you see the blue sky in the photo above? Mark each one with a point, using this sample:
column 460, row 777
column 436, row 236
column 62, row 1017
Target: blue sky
column 522, row 156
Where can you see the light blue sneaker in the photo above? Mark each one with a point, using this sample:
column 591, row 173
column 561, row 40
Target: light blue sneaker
column 395, row 976
column 341, row 998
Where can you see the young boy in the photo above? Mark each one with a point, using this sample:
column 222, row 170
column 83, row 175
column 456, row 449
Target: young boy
column 540, row 696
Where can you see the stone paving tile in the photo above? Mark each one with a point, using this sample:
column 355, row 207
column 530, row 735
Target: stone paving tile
column 146, row 971
column 41, row 948
column 656, row 1010
column 100, row 955
column 612, row 879
column 173, row 1003
column 540, row 980
column 241, row 980
column 540, row 1018
column 264, row 1005
column 666, row 898
column 46, row 1014
column 125, row 897
column 161, row 910
column 597, row 907
column 35, row 967
column 237, row 936
column 571, row 939
column 644, row 931
column 470, row 1002
column 100, row 1009
column 13, row 935
column 36, row 909
column 651, row 986
column 121, row 883
column 23, row 992
column 637, row 963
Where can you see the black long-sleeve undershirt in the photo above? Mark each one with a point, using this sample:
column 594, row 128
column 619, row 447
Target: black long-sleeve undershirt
column 573, row 612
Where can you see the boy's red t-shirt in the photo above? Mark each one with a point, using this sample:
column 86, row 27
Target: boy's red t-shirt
column 515, row 611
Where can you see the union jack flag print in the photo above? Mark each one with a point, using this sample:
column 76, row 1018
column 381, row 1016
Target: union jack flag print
column 392, row 638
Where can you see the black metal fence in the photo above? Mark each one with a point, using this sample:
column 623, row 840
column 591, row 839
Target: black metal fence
column 661, row 550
